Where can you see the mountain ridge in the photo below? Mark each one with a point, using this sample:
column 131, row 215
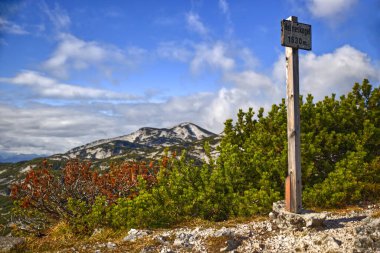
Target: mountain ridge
column 148, row 139
column 14, row 158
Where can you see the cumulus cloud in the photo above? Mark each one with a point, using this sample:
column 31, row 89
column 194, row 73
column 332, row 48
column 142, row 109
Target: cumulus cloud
column 7, row 26
column 330, row 8
column 225, row 105
column 249, row 80
column 334, row 72
column 42, row 129
column 73, row 53
column 213, row 56
column 46, row 87
column 195, row 24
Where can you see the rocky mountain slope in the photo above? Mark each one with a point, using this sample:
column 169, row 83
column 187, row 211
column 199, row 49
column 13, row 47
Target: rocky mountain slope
column 147, row 142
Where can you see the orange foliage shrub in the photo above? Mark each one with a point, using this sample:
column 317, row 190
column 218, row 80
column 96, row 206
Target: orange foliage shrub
column 46, row 192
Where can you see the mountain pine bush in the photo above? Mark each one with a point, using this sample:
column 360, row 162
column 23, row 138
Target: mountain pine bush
column 340, row 143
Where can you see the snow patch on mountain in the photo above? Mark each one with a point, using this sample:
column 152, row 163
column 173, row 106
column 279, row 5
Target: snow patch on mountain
column 185, row 132
column 191, row 131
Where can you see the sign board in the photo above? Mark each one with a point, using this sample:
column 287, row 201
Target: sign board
column 295, row 35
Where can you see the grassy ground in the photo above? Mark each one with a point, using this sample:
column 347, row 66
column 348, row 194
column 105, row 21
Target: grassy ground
column 60, row 238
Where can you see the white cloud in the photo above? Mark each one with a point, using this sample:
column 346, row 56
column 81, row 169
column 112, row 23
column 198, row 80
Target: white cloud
column 249, row 60
column 195, row 24
column 330, row 8
column 250, row 80
column 7, row 26
column 46, row 87
column 42, row 129
column 76, row 54
column 336, row 72
column 73, row 53
column 212, row 56
column 225, row 104
column 223, row 5
column 57, row 16
column 174, row 51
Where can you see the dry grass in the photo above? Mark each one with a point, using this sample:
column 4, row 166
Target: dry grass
column 376, row 214
column 197, row 222
column 346, row 209
column 138, row 246
column 57, row 237
column 214, row 244
column 61, row 237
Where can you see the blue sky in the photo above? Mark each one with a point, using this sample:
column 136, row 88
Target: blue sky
column 76, row 71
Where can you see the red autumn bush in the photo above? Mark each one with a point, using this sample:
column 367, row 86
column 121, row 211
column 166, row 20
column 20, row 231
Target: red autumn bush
column 45, row 191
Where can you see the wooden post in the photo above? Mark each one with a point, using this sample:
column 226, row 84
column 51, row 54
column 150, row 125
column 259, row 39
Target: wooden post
column 294, row 143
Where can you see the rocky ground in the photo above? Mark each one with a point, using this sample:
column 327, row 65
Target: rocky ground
column 353, row 230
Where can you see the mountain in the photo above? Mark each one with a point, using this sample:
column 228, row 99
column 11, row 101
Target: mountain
column 14, row 158
column 146, row 143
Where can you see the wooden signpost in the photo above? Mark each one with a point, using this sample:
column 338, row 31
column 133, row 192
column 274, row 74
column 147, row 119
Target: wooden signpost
column 294, row 36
